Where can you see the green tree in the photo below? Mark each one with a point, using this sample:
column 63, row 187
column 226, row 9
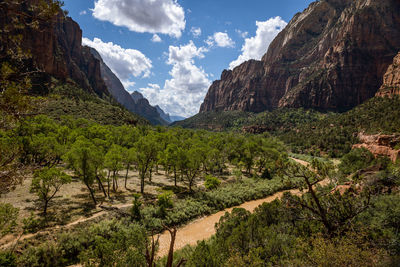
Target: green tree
column 46, row 183
column 146, row 154
column 190, row 164
column 113, row 162
column 81, row 159
column 129, row 158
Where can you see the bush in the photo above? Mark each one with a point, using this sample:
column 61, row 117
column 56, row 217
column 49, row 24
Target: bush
column 7, row 259
column 8, row 217
column 356, row 159
column 211, row 182
column 32, row 224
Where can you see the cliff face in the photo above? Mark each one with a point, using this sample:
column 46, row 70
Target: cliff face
column 331, row 56
column 56, row 49
column 380, row 145
column 391, row 80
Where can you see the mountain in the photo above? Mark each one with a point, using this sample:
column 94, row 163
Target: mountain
column 391, row 79
column 177, row 118
column 68, row 74
column 163, row 115
column 332, row 56
column 135, row 103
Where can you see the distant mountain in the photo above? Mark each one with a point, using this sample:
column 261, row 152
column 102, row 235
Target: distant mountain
column 163, row 115
column 176, row 118
column 134, row 102
column 332, row 56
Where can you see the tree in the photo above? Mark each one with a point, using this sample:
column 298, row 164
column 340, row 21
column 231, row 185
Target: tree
column 113, row 162
column 190, row 164
column 46, row 183
column 81, row 159
column 330, row 207
column 129, row 158
column 146, row 154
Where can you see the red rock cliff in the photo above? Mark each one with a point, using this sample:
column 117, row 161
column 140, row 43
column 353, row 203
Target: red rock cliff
column 391, row 80
column 331, row 56
column 56, row 48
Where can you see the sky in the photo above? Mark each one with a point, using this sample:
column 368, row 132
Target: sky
column 172, row 50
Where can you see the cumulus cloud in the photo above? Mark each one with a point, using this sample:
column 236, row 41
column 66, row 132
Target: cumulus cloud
column 255, row 47
column 184, row 92
column 156, row 38
column 220, row 39
column 196, row 32
column 125, row 63
column 153, row 16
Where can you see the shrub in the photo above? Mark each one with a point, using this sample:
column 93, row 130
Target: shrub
column 8, row 217
column 211, row 182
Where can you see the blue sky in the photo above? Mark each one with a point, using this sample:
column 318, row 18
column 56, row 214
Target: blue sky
column 171, row 50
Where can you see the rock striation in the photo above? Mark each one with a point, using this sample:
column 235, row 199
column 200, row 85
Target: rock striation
column 391, row 80
column 332, row 56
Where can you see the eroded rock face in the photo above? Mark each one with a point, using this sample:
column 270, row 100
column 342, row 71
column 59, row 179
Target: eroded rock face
column 381, row 145
column 56, row 49
column 332, row 56
column 391, row 80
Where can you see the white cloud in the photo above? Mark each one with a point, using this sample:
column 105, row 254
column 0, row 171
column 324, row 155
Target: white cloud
column 196, row 32
column 153, row 16
column 83, row 12
column 184, row 92
column 255, row 47
column 125, row 63
column 156, row 38
column 220, row 39
column 241, row 33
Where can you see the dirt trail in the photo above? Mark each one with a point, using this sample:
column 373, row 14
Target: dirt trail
column 203, row 228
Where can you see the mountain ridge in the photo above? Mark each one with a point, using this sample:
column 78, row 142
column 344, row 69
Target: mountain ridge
column 332, row 56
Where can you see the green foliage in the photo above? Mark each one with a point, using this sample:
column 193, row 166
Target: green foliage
column 8, row 259
column 46, row 183
column 211, row 182
column 104, row 244
column 136, row 208
column 8, row 217
column 356, row 159
column 164, row 202
column 32, row 224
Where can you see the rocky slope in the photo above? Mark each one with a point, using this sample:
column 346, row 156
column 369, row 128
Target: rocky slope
column 332, row 56
column 135, row 103
column 391, row 80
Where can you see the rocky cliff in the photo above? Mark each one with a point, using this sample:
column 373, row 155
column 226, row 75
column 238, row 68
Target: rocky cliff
column 391, row 79
column 56, row 47
column 134, row 103
column 332, row 56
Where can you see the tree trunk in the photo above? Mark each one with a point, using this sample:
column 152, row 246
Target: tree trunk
column 108, row 184
column 171, row 247
column 142, row 183
column 126, row 176
column 46, row 203
column 175, row 176
column 92, row 194
column 101, row 185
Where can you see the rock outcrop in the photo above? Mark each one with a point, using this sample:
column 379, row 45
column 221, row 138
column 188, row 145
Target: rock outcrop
column 381, row 145
column 391, row 80
column 332, row 56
